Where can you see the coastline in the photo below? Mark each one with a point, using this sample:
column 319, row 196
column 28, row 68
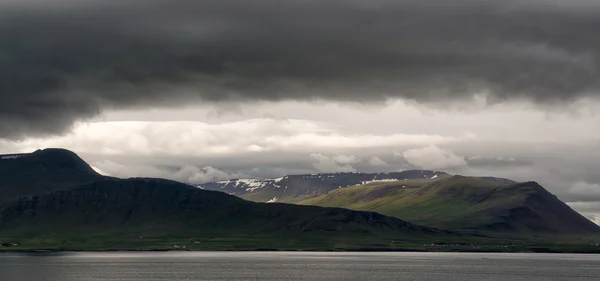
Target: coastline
column 350, row 250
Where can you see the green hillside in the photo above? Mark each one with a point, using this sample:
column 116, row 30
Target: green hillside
column 53, row 200
column 463, row 203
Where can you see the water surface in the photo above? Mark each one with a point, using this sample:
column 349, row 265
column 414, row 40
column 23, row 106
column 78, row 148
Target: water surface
column 151, row 266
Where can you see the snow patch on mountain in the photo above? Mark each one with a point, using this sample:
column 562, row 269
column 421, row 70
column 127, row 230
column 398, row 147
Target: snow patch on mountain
column 313, row 182
column 381, row 180
column 279, row 179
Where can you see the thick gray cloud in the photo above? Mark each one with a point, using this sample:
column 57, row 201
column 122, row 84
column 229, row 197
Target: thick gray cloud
column 66, row 60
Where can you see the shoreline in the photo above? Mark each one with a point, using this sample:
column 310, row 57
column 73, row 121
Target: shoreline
column 53, row 251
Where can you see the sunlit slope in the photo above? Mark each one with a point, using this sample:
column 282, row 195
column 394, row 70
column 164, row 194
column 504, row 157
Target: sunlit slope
column 457, row 202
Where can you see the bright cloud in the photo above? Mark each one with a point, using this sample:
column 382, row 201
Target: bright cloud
column 187, row 138
column 376, row 161
column 433, row 157
column 335, row 163
column 187, row 173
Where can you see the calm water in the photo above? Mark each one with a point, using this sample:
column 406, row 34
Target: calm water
column 298, row 266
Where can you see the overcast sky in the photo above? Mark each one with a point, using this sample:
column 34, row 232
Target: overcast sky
column 213, row 89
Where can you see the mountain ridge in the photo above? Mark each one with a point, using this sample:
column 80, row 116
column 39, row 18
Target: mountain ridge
column 57, row 201
column 296, row 187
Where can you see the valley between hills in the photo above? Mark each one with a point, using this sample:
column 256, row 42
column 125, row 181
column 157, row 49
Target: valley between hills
column 53, row 201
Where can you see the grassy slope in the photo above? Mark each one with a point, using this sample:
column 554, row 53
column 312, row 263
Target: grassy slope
column 453, row 202
column 280, row 195
column 417, row 199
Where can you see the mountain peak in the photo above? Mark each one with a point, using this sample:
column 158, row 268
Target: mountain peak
column 54, row 152
column 530, row 187
column 46, row 160
column 530, row 183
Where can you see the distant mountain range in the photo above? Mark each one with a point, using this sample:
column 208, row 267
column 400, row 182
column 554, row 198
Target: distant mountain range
column 52, row 199
column 429, row 198
column 297, row 187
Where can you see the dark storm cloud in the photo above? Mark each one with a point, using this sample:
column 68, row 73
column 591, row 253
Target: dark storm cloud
column 65, row 60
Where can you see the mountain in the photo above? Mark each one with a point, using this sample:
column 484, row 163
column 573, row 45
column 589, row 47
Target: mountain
column 498, row 180
column 294, row 188
column 52, row 199
column 27, row 174
column 464, row 203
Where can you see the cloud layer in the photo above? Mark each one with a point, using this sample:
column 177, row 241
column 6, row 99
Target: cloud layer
column 198, row 139
column 187, row 173
column 337, row 163
column 433, row 158
column 72, row 60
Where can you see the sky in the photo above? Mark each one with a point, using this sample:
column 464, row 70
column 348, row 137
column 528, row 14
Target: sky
column 207, row 90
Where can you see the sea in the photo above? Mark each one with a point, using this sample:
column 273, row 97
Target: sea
column 173, row 266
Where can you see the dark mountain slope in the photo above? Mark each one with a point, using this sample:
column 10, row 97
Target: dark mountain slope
column 114, row 209
column 539, row 210
column 42, row 171
column 44, row 162
column 150, row 204
column 464, row 203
